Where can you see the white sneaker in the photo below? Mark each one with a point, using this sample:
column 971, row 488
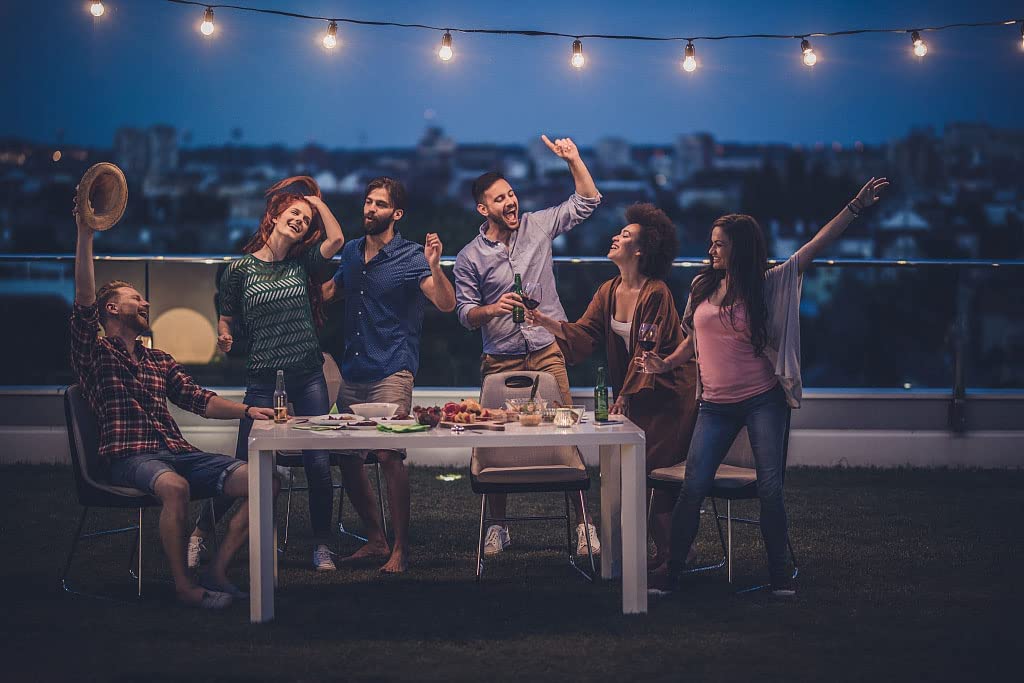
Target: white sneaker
column 322, row 561
column 497, row 540
column 581, row 540
column 196, row 548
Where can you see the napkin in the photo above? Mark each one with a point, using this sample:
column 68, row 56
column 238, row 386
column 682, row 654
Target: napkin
column 402, row 429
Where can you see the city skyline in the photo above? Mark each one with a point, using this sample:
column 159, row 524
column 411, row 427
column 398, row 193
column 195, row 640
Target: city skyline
column 144, row 63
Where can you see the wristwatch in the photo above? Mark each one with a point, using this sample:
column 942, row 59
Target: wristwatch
column 246, row 411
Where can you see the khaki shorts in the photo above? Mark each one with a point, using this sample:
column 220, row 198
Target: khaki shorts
column 547, row 359
column 396, row 388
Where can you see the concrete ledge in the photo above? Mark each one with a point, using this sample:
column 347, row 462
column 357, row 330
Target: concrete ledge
column 808, row 447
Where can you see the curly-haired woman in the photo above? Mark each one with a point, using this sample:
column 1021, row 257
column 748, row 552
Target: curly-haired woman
column 274, row 293
column 663, row 405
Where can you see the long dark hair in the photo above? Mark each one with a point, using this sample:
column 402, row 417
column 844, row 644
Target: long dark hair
column 748, row 261
column 280, row 196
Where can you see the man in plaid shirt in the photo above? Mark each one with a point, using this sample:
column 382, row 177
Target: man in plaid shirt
column 127, row 387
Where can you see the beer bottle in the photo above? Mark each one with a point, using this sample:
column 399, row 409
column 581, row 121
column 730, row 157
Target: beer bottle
column 600, row 398
column 518, row 312
column 280, row 400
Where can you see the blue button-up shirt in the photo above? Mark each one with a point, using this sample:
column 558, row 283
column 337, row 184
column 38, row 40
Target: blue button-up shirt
column 484, row 270
column 383, row 308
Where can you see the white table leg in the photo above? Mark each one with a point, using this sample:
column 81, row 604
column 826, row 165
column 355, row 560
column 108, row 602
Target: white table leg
column 262, row 560
column 611, row 505
column 634, row 531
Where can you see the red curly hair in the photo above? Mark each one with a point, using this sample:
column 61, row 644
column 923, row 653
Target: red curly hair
column 280, row 196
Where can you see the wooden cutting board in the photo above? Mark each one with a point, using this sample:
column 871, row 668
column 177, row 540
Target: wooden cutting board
column 482, row 425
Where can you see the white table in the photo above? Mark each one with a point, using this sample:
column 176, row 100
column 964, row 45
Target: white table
column 623, row 483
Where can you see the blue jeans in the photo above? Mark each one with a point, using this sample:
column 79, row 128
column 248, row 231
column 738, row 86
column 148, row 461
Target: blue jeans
column 204, row 472
column 307, row 392
column 765, row 417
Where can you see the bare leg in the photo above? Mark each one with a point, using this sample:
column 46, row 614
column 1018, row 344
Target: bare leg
column 173, row 492
column 357, row 483
column 398, row 496
column 235, row 486
column 498, row 505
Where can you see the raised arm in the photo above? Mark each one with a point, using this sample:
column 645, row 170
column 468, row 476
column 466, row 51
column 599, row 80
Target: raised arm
column 85, row 272
column 436, row 286
column 868, row 195
column 565, row 148
column 335, row 239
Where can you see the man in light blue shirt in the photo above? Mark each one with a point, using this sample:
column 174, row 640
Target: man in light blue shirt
column 485, row 270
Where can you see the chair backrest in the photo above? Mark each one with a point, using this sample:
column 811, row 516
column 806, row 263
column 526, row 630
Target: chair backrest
column 742, row 455
column 496, row 390
column 83, row 442
column 493, row 394
column 333, row 376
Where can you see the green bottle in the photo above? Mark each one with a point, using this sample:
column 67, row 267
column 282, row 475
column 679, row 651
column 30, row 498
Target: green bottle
column 518, row 312
column 600, row 398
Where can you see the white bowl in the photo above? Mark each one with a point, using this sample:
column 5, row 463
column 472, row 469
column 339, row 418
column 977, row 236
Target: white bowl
column 374, row 410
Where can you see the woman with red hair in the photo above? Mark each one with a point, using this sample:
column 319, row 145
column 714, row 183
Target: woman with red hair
column 274, row 293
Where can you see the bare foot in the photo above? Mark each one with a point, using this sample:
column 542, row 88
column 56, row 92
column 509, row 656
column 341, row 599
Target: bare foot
column 371, row 552
column 396, row 564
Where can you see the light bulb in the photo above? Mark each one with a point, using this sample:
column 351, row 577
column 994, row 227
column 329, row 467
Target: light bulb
column 810, row 59
column 446, row 53
column 207, row 27
column 331, row 37
column 578, row 60
column 920, row 47
column 97, row 9
column 689, row 60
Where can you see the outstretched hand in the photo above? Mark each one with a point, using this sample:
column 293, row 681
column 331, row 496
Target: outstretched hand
column 563, row 148
column 871, row 192
column 432, row 249
column 225, row 342
column 82, row 225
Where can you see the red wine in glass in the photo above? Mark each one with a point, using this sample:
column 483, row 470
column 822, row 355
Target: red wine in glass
column 647, row 338
column 647, row 344
column 531, row 296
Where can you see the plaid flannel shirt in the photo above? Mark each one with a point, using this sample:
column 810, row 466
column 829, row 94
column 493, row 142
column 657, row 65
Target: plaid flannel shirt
column 129, row 396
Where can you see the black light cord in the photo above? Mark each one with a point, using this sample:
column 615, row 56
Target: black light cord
column 603, row 36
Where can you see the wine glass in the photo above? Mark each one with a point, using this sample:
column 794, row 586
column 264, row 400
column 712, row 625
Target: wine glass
column 532, row 293
column 647, row 340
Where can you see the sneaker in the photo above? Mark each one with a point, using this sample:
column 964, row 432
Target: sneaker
column 783, row 588
column 322, row 560
column 581, row 540
column 497, row 540
column 196, row 548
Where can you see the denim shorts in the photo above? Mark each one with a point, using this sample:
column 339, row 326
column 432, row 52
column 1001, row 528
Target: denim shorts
column 204, row 472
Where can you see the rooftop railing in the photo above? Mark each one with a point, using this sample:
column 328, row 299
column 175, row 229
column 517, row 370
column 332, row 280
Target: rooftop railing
column 948, row 325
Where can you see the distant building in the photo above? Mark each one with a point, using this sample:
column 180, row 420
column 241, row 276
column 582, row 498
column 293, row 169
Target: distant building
column 694, row 153
column 613, row 155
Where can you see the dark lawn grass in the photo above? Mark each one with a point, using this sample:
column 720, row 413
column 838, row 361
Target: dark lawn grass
column 905, row 575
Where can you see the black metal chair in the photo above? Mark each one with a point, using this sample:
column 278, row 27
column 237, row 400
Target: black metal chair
column 528, row 470
column 736, row 479
column 93, row 491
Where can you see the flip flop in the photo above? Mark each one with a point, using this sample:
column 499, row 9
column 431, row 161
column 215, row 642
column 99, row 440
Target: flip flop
column 226, row 588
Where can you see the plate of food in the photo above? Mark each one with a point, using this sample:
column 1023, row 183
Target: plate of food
column 338, row 419
column 398, row 421
column 364, row 424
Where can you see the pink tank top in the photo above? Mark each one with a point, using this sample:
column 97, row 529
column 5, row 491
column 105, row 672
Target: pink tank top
column 729, row 370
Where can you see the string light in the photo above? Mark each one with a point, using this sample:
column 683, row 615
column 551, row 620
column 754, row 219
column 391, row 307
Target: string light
column 446, row 53
column 97, row 9
column 920, row 47
column 810, row 59
column 689, row 60
column 207, row 27
column 578, row 60
column 331, row 37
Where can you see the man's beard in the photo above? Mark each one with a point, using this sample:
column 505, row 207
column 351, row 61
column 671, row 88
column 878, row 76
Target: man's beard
column 376, row 226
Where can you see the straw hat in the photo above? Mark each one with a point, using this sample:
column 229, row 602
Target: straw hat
column 102, row 196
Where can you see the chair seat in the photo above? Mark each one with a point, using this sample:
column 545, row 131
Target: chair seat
column 554, row 468
column 540, row 474
column 727, row 476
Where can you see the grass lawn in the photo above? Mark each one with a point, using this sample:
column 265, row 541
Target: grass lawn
column 905, row 575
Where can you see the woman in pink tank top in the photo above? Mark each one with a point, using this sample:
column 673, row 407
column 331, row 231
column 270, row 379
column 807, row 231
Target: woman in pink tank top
column 742, row 324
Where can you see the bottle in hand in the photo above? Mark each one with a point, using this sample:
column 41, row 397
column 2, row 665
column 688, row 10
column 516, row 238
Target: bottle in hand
column 280, row 400
column 518, row 312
